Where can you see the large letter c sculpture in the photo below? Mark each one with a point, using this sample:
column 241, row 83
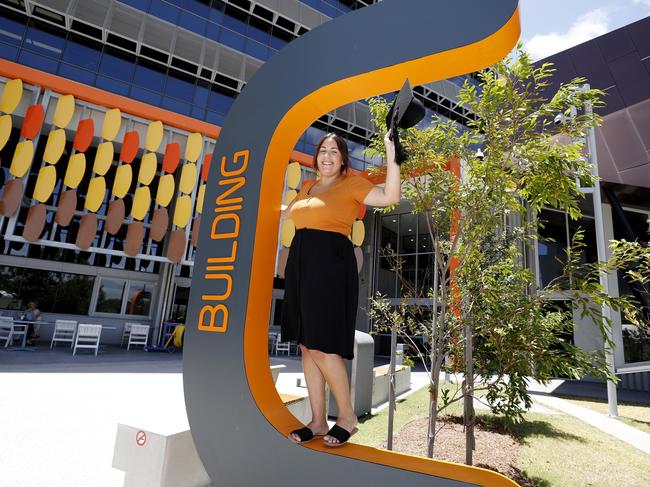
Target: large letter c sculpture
column 237, row 420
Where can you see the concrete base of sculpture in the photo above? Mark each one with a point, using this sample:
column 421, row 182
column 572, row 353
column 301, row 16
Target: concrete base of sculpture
column 381, row 380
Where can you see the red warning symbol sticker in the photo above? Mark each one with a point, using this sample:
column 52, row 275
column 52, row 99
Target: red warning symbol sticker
column 141, row 438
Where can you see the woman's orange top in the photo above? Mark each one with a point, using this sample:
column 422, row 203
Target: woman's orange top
column 333, row 210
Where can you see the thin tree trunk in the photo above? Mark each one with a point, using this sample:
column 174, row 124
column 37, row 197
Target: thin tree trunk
column 391, row 387
column 435, row 374
column 468, row 385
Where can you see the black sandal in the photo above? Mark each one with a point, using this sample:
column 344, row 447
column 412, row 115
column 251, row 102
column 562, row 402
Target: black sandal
column 340, row 434
column 305, row 434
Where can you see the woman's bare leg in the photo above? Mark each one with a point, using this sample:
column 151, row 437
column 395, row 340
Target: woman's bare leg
column 316, row 388
column 333, row 370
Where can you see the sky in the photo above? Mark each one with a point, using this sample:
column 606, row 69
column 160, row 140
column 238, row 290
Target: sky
column 550, row 26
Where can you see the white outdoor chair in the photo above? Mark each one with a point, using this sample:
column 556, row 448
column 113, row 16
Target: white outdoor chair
column 126, row 331
column 139, row 335
column 10, row 331
column 87, row 337
column 280, row 346
column 64, row 331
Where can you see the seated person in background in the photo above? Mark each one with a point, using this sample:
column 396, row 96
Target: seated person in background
column 31, row 313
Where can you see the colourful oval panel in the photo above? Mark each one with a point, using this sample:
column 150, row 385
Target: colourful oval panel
column 172, row 157
column 64, row 111
column 165, row 190
column 11, row 95
column 12, row 195
column 134, row 238
column 358, row 232
column 176, row 245
column 194, row 147
column 287, row 233
column 87, row 231
column 55, row 146
column 96, row 194
column 84, row 135
column 188, row 178
column 112, row 123
column 5, row 129
column 33, row 122
column 141, row 202
column 293, row 175
column 199, row 198
column 66, row 206
column 154, row 136
column 182, row 211
column 122, row 182
column 159, row 224
column 362, row 212
column 130, row 146
column 205, row 168
column 289, row 196
column 45, row 183
column 35, row 222
column 23, row 156
column 75, row 171
column 148, row 166
column 103, row 158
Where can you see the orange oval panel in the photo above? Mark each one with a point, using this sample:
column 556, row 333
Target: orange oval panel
column 84, row 135
column 33, row 122
column 130, row 146
column 172, row 157
column 11, row 197
column 134, row 238
column 196, row 228
column 66, row 207
column 114, row 217
column 362, row 212
column 176, row 246
column 205, row 168
column 87, row 231
column 35, row 222
column 159, row 224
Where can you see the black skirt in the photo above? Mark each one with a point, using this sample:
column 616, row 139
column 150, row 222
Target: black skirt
column 321, row 292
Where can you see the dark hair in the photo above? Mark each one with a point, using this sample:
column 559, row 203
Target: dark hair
column 342, row 146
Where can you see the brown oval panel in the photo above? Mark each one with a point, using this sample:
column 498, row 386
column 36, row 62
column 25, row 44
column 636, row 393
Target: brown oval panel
column 87, row 231
column 282, row 261
column 32, row 122
column 114, row 216
column 196, row 228
column 13, row 193
column 66, row 206
column 130, row 147
column 172, row 157
column 35, row 223
column 159, row 224
column 176, row 245
column 358, row 254
column 84, row 135
column 134, row 238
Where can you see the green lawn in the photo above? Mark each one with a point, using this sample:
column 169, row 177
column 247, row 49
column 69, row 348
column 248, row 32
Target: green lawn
column 636, row 415
column 556, row 449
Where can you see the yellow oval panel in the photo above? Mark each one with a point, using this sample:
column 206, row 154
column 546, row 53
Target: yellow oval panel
column 5, row 129
column 154, row 136
column 188, row 178
column 11, row 95
column 289, row 196
column 199, row 198
column 104, row 158
column 55, row 146
column 287, row 233
column 64, row 111
column 23, row 156
column 112, row 123
column 293, row 175
column 358, row 233
column 122, row 182
column 96, row 193
column 45, row 183
column 75, row 171
column 193, row 147
column 165, row 190
column 141, row 202
column 182, row 211
column 148, row 166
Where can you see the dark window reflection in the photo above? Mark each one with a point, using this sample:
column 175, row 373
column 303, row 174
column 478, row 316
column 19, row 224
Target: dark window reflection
column 109, row 298
column 552, row 245
column 407, row 233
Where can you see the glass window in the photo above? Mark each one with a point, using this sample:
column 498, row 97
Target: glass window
column 77, row 74
column 179, row 308
column 198, row 112
column 234, row 24
column 43, row 41
column 192, row 23
column 389, row 232
column 110, row 295
column 424, row 237
column 37, row 61
column 150, row 97
column 179, row 88
column 408, row 283
column 147, row 77
column 213, row 32
column 425, row 274
column 407, row 233
column 257, row 50
column 8, row 52
column 220, row 102
column 552, row 245
column 199, row 7
column 176, row 106
column 139, row 4
column 386, row 278
column 214, row 117
column 81, row 55
column 11, row 31
column 636, row 344
column 117, row 67
column 232, row 39
column 112, row 85
column 201, row 93
column 139, row 299
column 164, row 10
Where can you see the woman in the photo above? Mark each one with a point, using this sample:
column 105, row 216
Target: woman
column 321, row 286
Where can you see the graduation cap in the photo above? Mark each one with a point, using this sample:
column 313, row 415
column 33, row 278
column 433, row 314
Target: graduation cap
column 405, row 112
